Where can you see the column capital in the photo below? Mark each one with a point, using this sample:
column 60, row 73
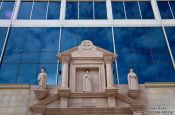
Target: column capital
column 65, row 59
column 108, row 59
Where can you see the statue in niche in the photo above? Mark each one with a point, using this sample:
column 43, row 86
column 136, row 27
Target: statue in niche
column 87, row 82
column 42, row 78
column 132, row 80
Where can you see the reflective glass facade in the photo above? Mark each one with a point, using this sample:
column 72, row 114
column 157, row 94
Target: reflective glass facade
column 33, row 32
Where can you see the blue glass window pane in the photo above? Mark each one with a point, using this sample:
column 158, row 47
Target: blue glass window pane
column 48, row 57
column 118, row 10
column 50, row 40
column 170, row 31
column 172, row 4
column 51, row 70
column 16, row 40
column 12, row 57
column 39, row 10
column 158, row 72
column 6, row 10
column 100, row 10
column 138, row 37
column 158, row 45
column 86, row 10
column 164, row 10
column 53, row 10
column 101, row 37
column 27, row 74
column 28, row 57
column 25, row 10
column 145, row 50
column 8, row 73
column 33, row 40
column 123, row 45
column 2, row 37
column 72, row 10
column 146, row 10
column 132, row 10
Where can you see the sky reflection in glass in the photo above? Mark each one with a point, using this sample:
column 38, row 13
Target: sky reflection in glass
column 145, row 50
column 28, row 50
column 40, row 10
column 141, row 48
column 164, row 10
column 6, row 10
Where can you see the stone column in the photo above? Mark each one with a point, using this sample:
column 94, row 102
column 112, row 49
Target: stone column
column 65, row 72
column 109, row 71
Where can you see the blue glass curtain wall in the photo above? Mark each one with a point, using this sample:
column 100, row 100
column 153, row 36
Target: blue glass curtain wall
column 134, row 10
column 3, row 32
column 142, row 48
column 167, row 9
column 170, row 31
column 28, row 50
column 6, row 9
column 86, row 10
column 39, row 10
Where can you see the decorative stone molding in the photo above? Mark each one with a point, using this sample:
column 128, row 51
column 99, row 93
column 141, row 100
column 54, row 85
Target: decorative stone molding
column 38, row 109
column 86, row 45
column 65, row 59
column 41, row 93
column 138, row 108
column 88, row 95
column 108, row 59
column 134, row 93
column 64, row 92
column 111, row 91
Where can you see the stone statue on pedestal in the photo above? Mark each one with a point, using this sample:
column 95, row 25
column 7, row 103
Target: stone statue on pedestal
column 132, row 80
column 42, row 78
column 87, row 82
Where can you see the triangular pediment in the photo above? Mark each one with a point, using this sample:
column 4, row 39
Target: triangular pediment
column 87, row 50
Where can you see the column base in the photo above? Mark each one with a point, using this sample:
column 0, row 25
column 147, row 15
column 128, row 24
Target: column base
column 64, row 92
column 111, row 91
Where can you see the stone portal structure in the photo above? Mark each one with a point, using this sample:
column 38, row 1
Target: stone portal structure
column 87, row 86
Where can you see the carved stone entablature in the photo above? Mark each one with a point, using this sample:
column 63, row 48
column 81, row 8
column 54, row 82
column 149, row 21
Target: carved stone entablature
column 64, row 92
column 134, row 93
column 41, row 93
column 111, row 91
column 64, row 58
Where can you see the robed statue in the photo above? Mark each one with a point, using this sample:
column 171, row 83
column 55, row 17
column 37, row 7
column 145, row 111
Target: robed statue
column 87, row 82
column 132, row 80
column 42, row 78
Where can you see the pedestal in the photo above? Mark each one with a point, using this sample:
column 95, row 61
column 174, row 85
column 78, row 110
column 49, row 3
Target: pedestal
column 138, row 109
column 134, row 93
column 64, row 94
column 38, row 110
column 111, row 93
column 41, row 93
